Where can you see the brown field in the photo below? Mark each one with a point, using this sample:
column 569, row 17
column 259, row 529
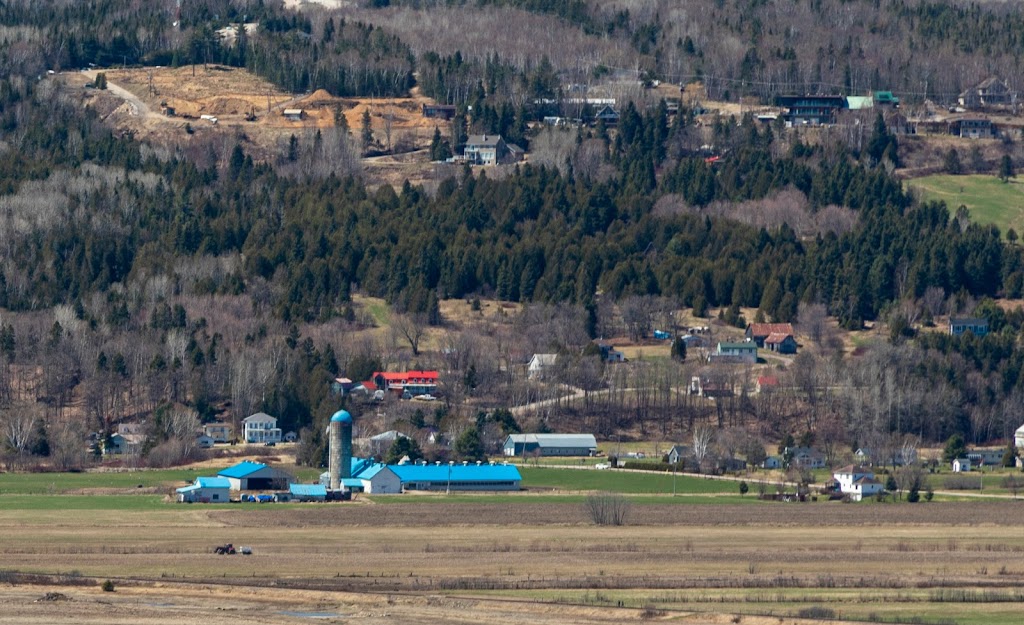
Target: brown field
column 520, row 562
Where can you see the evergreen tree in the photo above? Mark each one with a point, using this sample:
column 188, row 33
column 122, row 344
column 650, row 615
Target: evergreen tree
column 952, row 162
column 366, row 135
column 679, row 349
column 1006, row 170
column 469, row 447
column 401, row 448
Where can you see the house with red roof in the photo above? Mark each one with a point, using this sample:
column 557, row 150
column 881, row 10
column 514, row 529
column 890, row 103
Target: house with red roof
column 412, row 382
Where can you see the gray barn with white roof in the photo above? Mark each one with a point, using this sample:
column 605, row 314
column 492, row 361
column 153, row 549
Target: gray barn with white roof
column 550, row 444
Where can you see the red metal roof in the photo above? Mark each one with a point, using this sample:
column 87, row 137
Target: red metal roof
column 765, row 329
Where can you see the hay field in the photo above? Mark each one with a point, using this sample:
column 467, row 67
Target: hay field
column 938, row 562
column 988, row 200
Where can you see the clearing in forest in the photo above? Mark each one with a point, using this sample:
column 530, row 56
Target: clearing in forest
column 989, row 200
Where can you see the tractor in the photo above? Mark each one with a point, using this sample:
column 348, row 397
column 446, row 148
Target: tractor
column 224, row 550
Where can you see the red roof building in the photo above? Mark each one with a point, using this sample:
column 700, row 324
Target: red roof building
column 413, row 382
column 758, row 332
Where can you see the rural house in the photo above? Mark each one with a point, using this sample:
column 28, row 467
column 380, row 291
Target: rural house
column 990, row 457
column 205, row 490
column 550, row 444
column 781, row 343
column 124, row 443
column 219, row 432
column 541, row 365
column 959, row 325
column 759, row 332
column 261, row 428
column 256, row 476
column 810, row 110
column 412, row 382
column 1018, row 438
column 735, row 352
column 678, row 453
column 992, row 91
column 485, row 149
column 439, row 111
column 805, row 457
column 972, row 128
column 857, row 482
column 608, row 115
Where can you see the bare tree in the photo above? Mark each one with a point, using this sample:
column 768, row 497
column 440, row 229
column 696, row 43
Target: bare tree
column 607, row 508
column 703, row 435
column 412, row 327
column 813, row 321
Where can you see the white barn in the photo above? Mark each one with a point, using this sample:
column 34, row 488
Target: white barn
column 550, row 444
column 205, row 490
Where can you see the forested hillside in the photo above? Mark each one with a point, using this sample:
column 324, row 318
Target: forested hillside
column 134, row 277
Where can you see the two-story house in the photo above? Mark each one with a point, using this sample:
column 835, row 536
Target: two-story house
column 261, row 428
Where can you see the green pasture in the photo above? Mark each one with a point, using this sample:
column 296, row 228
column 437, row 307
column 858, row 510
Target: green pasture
column 629, row 482
column 988, row 200
column 58, row 483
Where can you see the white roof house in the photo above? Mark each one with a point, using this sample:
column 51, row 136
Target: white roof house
column 540, row 364
column 550, row 444
column 857, row 482
column 962, row 465
column 261, row 428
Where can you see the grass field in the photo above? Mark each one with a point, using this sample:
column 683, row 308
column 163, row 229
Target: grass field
column 988, row 200
column 622, row 482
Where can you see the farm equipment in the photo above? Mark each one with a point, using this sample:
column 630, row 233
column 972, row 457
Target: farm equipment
column 224, row 550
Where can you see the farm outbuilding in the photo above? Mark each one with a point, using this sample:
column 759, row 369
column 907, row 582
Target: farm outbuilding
column 256, row 476
column 550, row 444
column 458, row 476
column 307, row 492
column 370, row 477
column 205, row 490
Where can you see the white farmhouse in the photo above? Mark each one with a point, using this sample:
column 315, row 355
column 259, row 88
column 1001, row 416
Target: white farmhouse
column 857, row 482
column 261, row 428
column 541, row 364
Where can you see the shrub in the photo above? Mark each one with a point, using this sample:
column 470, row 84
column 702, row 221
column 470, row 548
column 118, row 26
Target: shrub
column 816, row 612
column 607, row 508
column 107, row 586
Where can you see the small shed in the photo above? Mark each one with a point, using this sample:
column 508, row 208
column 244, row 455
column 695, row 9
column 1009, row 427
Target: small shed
column 962, row 465
column 294, row 115
column 205, row 490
